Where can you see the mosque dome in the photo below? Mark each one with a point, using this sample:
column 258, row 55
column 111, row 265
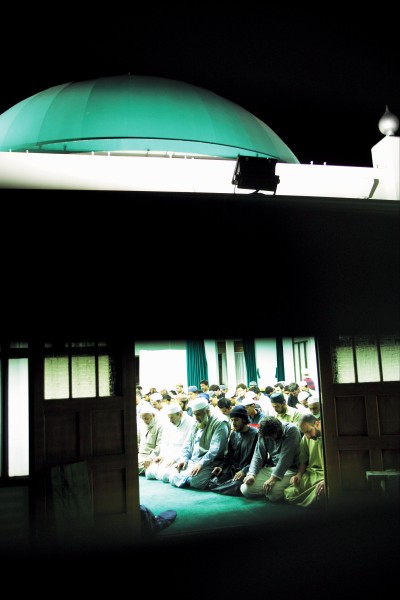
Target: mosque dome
column 140, row 115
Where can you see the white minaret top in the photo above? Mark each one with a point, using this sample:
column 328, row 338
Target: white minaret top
column 388, row 123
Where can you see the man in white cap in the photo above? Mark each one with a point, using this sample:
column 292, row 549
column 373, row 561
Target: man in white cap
column 149, row 437
column 302, row 404
column 203, row 449
column 254, row 411
column 174, row 434
column 314, row 406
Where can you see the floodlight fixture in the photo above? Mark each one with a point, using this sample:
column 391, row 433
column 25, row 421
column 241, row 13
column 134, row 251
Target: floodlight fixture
column 256, row 173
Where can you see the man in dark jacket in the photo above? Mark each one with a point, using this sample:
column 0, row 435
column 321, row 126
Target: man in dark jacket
column 274, row 461
column 228, row 477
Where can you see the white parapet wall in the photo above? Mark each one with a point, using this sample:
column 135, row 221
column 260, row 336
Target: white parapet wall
column 25, row 170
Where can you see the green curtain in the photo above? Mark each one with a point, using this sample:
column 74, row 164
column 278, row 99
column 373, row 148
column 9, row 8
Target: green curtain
column 280, row 364
column 250, row 358
column 196, row 362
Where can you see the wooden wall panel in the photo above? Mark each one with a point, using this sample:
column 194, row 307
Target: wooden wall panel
column 389, row 414
column 62, row 436
column 351, row 416
column 107, row 432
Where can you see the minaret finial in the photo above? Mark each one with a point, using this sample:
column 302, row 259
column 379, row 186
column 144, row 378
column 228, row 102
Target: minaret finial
column 388, row 123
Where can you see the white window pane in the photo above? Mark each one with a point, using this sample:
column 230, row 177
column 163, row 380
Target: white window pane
column 56, row 381
column 104, row 375
column 367, row 359
column 390, row 354
column 18, row 417
column 342, row 361
column 83, row 377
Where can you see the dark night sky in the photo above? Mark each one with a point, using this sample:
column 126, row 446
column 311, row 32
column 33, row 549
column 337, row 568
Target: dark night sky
column 320, row 81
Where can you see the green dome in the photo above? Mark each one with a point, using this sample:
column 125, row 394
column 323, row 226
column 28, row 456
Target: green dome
column 137, row 114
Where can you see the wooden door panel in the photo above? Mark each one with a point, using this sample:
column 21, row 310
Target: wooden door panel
column 351, row 416
column 361, row 428
column 99, row 431
column 107, row 432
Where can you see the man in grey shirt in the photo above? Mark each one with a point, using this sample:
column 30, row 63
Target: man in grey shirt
column 274, row 461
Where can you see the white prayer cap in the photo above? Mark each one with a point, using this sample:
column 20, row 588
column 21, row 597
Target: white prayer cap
column 313, row 399
column 199, row 404
column 173, row 408
column 156, row 397
column 147, row 409
column 302, row 396
column 248, row 401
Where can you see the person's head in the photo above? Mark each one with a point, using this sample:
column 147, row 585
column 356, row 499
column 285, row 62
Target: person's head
column 224, row 389
column 249, row 403
column 182, row 400
column 294, row 389
column 174, row 412
column 147, row 413
column 201, row 411
column 302, row 397
column 252, row 384
column 213, row 399
column 138, row 396
column 156, row 400
column 278, row 403
column 314, row 406
column 239, row 418
column 304, row 386
column 310, row 426
column 240, row 390
column 193, row 392
column 204, row 385
column 270, row 428
column 215, row 389
column 225, row 406
column 279, row 387
column 179, row 388
column 269, row 390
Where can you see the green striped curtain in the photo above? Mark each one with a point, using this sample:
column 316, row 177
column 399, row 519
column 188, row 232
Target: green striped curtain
column 196, row 362
column 280, row 364
column 250, row 358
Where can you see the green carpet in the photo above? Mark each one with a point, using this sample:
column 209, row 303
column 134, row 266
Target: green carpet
column 199, row 511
